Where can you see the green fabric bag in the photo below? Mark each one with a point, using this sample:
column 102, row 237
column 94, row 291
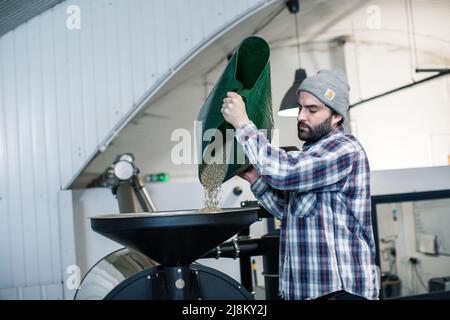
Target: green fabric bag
column 248, row 74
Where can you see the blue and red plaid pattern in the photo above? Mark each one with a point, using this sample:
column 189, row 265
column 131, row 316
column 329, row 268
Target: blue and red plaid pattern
column 322, row 197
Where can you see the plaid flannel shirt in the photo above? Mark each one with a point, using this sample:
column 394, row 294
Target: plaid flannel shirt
column 322, row 197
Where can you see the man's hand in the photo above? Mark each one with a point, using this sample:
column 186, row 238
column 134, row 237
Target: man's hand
column 250, row 174
column 233, row 110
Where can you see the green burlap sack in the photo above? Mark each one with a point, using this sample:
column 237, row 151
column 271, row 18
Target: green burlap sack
column 248, row 74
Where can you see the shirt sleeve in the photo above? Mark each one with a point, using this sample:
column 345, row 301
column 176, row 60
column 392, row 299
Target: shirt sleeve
column 296, row 171
column 273, row 200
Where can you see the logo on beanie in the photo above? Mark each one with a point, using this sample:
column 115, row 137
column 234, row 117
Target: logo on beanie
column 329, row 94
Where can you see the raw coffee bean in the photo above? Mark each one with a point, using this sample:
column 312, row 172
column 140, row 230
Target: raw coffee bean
column 211, row 177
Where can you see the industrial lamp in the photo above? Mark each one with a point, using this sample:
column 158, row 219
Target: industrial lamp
column 288, row 107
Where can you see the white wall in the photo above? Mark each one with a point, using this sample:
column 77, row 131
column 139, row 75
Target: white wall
column 91, row 246
column 383, row 46
column 409, row 128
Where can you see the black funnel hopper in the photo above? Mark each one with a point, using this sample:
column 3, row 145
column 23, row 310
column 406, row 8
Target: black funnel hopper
column 174, row 238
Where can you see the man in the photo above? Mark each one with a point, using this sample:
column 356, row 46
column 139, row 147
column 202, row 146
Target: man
column 321, row 194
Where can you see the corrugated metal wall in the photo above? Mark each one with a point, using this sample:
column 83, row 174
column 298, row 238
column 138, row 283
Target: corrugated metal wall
column 15, row 12
column 61, row 93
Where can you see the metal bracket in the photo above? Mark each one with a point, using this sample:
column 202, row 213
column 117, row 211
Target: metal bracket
column 237, row 251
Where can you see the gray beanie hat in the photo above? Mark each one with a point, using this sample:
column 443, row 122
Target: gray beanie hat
column 330, row 87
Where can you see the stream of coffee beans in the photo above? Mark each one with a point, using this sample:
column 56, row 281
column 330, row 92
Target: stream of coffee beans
column 211, row 177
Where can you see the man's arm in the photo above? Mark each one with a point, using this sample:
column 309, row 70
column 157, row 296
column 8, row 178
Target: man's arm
column 273, row 200
column 296, row 171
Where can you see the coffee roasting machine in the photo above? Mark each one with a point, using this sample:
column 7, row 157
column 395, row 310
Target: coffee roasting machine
column 161, row 247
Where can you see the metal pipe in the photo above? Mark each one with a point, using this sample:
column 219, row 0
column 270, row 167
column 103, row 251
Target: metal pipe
column 247, row 247
column 142, row 195
column 126, row 199
column 245, row 264
column 433, row 70
column 440, row 74
column 271, row 265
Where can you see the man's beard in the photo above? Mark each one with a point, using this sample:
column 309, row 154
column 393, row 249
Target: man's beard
column 314, row 133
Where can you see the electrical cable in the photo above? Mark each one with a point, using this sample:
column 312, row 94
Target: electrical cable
column 413, row 33
column 412, row 288
column 298, row 40
column 418, row 277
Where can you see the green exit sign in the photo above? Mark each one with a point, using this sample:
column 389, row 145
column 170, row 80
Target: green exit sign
column 157, row 177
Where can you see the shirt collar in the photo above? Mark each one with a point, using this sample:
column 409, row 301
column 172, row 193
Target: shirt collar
column 339, row 129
